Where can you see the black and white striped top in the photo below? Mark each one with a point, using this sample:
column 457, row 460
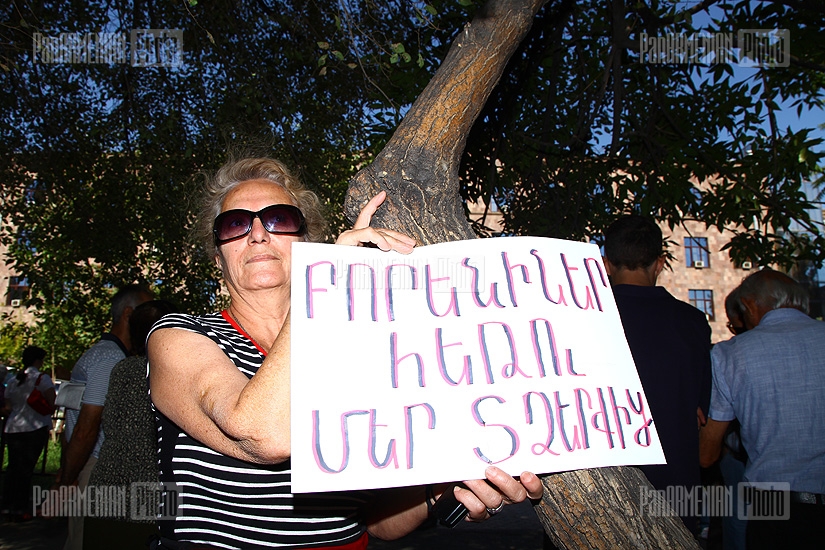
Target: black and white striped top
column 228, row 503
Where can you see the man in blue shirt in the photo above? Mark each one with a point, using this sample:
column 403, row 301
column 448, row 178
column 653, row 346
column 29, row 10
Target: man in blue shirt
column 772, row 379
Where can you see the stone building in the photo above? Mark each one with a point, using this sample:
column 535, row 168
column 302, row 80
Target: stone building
column 14, row 290
column 700, row 272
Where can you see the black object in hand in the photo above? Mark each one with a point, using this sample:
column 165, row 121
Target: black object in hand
column 448, row 509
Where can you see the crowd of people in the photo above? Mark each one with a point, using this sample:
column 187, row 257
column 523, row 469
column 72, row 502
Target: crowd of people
column 199, row 404
column 758, row 399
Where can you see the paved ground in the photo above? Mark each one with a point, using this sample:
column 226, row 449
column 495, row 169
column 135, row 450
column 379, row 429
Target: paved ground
column 37, row 534
column 516, row 528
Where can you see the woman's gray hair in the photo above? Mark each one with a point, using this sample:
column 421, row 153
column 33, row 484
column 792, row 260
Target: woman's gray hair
column 234, row 172
column 773, row 290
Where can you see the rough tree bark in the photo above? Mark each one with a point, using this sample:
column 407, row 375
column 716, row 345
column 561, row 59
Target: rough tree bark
column 596, row 508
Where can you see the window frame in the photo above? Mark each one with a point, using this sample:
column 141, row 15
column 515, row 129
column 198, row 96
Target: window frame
column 703, row 302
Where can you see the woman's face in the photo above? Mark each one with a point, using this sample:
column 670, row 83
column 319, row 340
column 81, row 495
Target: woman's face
column 259, row 260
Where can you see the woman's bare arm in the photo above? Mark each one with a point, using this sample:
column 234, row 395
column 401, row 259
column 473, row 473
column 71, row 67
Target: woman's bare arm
column 196, row 386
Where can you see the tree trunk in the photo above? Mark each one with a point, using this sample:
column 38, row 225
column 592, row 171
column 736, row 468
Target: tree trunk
column 601, row 508
column 419, row 166
column 597, row 508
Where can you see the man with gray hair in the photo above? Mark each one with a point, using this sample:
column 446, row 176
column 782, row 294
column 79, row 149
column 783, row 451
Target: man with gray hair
column 772, row 379
column 84, row 433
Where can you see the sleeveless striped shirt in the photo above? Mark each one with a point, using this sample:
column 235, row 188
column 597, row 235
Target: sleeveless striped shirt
column 229, row 503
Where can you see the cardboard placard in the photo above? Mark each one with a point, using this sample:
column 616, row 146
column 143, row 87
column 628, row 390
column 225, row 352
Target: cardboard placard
column 428, row 367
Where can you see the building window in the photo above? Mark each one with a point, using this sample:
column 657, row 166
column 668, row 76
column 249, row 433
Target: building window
column 703, row 301
column 696, row 252
column 18, row 291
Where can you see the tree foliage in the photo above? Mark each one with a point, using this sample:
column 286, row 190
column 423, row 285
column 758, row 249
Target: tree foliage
column 14, row 337
column 581, row 128
column 101, row 161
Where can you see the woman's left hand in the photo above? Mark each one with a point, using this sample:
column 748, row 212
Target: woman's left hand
column 385, row 239
column 485, row 498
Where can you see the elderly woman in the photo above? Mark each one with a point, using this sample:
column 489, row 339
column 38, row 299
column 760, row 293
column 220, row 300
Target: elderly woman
column 220, row 386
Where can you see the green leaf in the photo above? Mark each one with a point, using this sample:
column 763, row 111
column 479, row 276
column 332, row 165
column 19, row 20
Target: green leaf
column 338, row 55
column 430, row 9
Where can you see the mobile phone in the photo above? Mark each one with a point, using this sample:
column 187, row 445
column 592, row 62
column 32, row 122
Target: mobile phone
column 448, row 510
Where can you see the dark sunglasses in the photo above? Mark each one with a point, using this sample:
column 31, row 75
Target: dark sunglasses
column 278, row 219
column 736, row 329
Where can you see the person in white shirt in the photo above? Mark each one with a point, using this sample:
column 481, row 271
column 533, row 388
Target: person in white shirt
column 27, row 432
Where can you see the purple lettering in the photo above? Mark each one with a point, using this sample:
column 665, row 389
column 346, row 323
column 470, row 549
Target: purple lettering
column 510, row 431
column 428, row 280
column 391, row 454
column 466, row 373
column 476, row 296
column 605, row 419
column 580, row 411
column 316, row 438
column 508, row 272
column 351, row 291
column 409, row 429
column 311, row 289
column 508, row 370
column 645, row 429
column 569, row 354
column 389, row 287
column 567, row 269
column 395, row 361
column 543, row 278
column 541, row 448
column 554, row 354
column 560, row 420
column 617, row 421
column 598, row 264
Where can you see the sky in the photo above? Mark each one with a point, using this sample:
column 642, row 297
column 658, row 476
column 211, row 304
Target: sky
column 788, row 116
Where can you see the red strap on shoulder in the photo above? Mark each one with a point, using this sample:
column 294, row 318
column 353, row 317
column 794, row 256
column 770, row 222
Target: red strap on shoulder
column 236, row 326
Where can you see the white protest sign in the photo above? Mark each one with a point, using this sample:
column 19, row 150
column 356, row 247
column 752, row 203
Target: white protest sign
column 427, row 368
